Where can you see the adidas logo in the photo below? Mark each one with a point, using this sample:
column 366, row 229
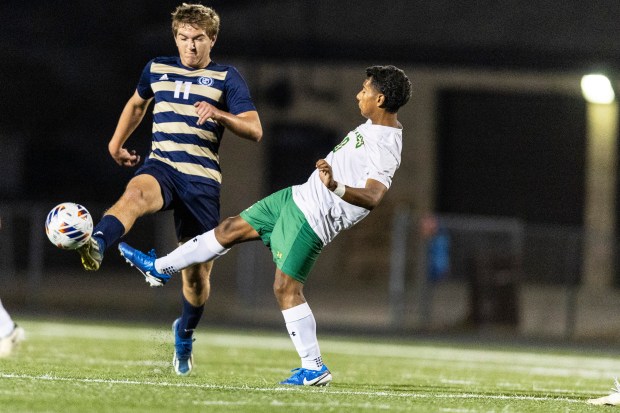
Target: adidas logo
column 164, row 77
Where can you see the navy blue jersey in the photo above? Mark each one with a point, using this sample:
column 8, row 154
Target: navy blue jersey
column 178, row 141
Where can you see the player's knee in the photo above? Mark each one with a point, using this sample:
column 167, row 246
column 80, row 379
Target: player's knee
column 225, row 227
column 286, row 288
column 230, row 230
column 142, row 193
column 196, row 279
column 134, row 196
column 279, row 291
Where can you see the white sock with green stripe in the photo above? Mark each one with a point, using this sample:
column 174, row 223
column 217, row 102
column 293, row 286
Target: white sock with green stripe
column 301, row 328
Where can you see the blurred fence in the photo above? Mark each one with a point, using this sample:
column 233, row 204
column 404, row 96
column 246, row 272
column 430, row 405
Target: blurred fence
column 492, row 258
column 536, row 253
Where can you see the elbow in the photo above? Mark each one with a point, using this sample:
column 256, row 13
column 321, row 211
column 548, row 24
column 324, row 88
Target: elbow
column 374, row 201
column 373, row 196
column 372, row 204
column 254, row 134
column 257, row 131
column 251, row 135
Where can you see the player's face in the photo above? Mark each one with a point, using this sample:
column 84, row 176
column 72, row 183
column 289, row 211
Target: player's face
column 368, row 99
column 194, row 46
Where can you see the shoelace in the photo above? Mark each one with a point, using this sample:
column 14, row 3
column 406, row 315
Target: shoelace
column 299, row 371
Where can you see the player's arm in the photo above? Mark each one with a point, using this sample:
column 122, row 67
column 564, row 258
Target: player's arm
column 130, row 118
column 368, row 197
column 245, row 125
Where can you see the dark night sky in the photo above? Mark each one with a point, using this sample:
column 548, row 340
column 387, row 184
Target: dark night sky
column 69, row 66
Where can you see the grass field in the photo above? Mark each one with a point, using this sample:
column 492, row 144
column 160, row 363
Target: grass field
column 73, row 367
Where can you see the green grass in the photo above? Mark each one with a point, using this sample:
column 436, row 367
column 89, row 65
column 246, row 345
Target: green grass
column 71, row 367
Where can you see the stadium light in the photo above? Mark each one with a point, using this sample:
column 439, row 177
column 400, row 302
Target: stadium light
column 596, row 88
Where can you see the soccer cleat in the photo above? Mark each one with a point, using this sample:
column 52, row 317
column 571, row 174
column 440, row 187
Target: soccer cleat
column 144, row 263
column 10, row 342
column 611, row 400
column 183, row 359
column 305, row 377
column 91, row 254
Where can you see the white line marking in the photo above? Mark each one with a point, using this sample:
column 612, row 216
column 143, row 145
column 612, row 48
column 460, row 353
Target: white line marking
column 47, row 377
column 277, row 403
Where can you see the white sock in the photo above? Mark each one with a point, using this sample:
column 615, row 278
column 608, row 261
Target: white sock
column 199, row 249
column 301, row 328
column 6, row 323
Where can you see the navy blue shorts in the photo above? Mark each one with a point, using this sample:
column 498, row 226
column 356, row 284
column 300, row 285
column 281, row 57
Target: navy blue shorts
column 196, row 205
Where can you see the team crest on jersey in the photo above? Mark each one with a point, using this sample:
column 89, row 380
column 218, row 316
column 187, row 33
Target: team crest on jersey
column 205, row 81
column 359, row 139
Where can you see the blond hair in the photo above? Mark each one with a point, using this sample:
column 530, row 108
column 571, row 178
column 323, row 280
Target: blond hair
column 196, row 15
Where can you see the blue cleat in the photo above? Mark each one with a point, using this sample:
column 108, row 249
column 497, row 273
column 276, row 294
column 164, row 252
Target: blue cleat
column 183, row 359
column 144, row 263
column 305, row 377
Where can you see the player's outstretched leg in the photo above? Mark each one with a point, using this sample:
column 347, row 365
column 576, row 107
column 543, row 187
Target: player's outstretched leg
column 306, row 377
column 183, row 359
column 144, row 263
column 11, row 341
column 91, row 254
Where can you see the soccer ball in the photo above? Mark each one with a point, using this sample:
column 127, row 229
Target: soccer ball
column 69, row 226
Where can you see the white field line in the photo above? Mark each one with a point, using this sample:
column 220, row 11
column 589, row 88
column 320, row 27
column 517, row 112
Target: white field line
column 329, row 405
column 461, row 396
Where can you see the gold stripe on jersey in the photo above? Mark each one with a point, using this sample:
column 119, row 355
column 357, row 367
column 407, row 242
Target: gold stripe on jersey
column 190, row 168
column 195, row 150
column 177, row 108
column 161, row 68
column 206, row 91
column 182, row 127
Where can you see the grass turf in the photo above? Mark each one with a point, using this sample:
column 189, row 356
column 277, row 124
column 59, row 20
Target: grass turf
column 77, row 367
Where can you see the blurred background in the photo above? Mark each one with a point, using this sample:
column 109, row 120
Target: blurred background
column 501, row 219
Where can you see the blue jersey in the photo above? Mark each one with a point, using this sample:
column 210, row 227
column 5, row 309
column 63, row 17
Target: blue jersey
column 178, row 141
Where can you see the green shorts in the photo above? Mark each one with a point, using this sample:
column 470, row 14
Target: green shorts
column 285, row 230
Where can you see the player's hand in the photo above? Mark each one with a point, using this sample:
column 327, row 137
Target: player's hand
column 326, row 174
column 126, row 158
column 205, row 111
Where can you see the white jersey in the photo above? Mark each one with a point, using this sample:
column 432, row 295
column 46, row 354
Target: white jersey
column 368, row 152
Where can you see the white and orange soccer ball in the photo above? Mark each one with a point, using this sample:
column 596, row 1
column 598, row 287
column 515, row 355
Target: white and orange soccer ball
column 69, row 226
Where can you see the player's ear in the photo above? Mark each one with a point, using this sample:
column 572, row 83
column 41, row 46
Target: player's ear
column 380, row 100
column 213, row 39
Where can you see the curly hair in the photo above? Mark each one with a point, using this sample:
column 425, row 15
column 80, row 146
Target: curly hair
column 392, row 83
column 196, row 15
